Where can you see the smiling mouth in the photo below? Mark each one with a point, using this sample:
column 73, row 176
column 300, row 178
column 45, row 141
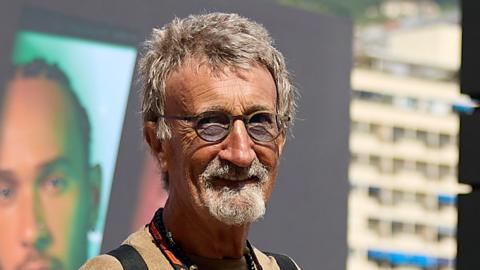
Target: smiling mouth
column 234, row 183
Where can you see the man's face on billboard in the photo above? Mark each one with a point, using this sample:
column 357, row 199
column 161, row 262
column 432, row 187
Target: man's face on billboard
column 46, row 187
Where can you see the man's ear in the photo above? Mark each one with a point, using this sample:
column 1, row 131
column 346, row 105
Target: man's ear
column 95, row 181
column 156, row 145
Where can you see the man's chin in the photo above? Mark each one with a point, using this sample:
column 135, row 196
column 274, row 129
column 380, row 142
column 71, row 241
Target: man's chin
column 40, row 263
column 235, row 206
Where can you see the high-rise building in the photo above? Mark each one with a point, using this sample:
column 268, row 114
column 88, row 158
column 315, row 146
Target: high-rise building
column 404, row 146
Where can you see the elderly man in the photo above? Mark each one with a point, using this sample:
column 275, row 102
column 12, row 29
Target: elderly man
column 216, row 106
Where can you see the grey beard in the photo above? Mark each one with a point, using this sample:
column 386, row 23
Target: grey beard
column 234, row 206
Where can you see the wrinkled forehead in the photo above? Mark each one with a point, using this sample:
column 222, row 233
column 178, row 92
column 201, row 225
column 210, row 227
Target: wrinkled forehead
column 196, row 78
column 201, row 64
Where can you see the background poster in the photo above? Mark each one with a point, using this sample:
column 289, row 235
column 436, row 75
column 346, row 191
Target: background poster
column 99, row 75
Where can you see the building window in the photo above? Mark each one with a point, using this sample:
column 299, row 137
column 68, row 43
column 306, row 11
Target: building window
column 374, row 193
column 397, row 227
column 398, row 165
column 374, row 225
column 422, row 136
column 421, row 167
column 421, row 199
column 445, row 233
column 397, row 197
column 374, row 161
column 445, row 171
column 445, row 140
column 398, row 133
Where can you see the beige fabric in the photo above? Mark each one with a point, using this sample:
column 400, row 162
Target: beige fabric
column 267, row 262
column 218, row 264
column 142, row 241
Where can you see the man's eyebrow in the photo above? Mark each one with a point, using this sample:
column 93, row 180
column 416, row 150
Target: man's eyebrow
column 7, row 175
column 256, row 108
column 250, row 109
column 214, row 108
column 48, row 166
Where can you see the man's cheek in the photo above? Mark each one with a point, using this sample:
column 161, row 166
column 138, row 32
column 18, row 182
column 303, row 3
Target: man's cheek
column 62, row 216
column 11, row 253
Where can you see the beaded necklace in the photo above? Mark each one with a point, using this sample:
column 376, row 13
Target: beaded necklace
column 173, row 252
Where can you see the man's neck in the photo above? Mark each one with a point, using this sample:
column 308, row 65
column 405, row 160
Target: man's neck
column 196, row 232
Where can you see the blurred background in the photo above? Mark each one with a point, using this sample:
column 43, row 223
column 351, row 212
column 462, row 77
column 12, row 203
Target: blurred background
column 376, row 145
column 402, row 211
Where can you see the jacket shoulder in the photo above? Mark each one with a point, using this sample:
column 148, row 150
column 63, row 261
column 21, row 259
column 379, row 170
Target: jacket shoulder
column 102, row 262
column 143, row 243
column 269, row 261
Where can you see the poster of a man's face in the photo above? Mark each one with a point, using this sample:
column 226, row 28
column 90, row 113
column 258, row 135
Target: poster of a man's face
column 48, row 190
column 61, row 116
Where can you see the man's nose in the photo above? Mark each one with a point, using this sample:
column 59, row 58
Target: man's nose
column 238, row 146
column 33, row 230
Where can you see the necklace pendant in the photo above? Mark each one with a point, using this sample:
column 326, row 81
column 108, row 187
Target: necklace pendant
column 193, row 267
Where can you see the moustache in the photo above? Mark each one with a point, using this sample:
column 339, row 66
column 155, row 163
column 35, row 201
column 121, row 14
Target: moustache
column 226, row 170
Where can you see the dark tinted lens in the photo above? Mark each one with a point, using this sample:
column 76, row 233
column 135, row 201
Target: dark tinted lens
column 262, row 126
column 262, row 118
column 213, row 126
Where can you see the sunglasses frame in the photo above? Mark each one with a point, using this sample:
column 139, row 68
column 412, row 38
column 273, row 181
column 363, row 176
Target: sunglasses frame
column 281, row 121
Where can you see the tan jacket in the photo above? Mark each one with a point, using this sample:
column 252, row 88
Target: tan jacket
column 143, row 242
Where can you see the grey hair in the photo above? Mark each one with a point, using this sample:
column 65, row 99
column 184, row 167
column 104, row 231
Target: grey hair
column 220, row 40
